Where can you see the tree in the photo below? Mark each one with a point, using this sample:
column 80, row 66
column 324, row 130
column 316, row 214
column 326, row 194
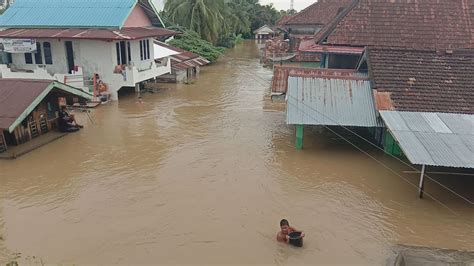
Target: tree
column 202, row 16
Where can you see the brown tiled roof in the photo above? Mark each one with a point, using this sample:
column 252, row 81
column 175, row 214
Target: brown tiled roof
column 403, row 23
column 283, row 20
column 15, row 96
column 319, row 13
column 422, row 81
column 281, row 74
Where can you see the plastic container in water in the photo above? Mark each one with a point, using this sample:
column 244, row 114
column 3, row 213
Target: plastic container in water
column 296, row 239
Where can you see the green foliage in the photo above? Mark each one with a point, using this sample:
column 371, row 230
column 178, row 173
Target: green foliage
column 209, row 23
column 191, row 41
column 220, row 21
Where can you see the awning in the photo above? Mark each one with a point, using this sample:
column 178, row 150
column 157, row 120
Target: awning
column 331, row 100
column 436, row 139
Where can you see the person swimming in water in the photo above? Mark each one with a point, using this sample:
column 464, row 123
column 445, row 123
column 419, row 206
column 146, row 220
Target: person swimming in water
column 285, row 230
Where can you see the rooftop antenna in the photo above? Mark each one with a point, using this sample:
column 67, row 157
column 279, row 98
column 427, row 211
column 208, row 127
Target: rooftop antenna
column 292, row 5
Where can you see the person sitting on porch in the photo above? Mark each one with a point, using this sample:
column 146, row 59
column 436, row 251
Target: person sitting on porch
column 67, row 122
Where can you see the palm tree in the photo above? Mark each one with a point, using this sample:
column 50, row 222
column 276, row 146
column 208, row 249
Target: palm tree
column 202, row 16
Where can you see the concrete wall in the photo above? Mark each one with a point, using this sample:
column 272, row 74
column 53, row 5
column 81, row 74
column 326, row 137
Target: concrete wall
column 137, row 18
column 100, row 57
column 58, row 50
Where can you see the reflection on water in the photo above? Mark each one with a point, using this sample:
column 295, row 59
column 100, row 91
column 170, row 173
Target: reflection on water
column 203, row 173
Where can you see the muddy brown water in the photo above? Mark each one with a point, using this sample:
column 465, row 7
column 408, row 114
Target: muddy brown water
column 202, row 173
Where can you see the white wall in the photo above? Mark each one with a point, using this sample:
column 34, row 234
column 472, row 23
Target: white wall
column 100, row 57
column 58, row 50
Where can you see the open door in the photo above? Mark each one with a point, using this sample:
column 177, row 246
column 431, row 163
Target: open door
column 70, row 56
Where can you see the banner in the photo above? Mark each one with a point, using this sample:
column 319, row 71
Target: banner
column 15, row 46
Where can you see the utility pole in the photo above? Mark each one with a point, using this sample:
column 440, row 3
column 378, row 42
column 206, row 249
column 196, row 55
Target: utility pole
column 292, row 5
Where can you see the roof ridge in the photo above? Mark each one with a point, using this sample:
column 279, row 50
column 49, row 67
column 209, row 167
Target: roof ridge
column 303, row 11
column 331, row 26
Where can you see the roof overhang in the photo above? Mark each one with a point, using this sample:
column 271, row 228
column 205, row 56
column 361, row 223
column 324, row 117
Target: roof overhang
column 435, row 139
column 88, row 34
column 54, row 85
column 331, row 100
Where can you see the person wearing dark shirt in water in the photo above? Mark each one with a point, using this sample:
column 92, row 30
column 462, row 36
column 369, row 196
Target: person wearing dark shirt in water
column 285, row 230
column 67, row 122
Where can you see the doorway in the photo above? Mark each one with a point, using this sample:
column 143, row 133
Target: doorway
column 70, row 56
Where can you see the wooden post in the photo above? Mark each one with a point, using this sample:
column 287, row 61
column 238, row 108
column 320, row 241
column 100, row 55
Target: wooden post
column 299, row 136
column 422, row 182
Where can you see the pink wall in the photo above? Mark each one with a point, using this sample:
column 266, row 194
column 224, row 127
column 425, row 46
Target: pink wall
column 137, row 18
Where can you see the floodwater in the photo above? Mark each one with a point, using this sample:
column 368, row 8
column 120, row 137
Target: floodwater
column 202, row 174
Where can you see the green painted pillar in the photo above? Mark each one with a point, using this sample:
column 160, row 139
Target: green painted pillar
column 299, row 136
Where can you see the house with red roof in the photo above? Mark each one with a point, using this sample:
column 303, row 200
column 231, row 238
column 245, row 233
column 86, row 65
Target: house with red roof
column 84, row 43
column 392, row 23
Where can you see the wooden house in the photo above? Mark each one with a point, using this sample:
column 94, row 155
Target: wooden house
column 30, row 108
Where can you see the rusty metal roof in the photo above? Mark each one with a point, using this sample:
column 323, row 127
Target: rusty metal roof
column 311, row 46
column 89, row 34
column 403, row 23
column 436, row 139
column 281, row 74
column 422, row 80
column 319, row 13
column 18, row 98
column 330, row 100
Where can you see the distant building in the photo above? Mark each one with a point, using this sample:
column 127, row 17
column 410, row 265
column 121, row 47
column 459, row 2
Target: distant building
column 78, row 42
column 264, row 33
column 29, row 111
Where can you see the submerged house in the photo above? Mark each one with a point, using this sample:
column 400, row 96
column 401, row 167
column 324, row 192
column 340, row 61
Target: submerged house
column 419, row 103
column 29, row 110
column 264, row 33
column 426, row 102
column 308, row 22
column 80, row 41
column 392, row 23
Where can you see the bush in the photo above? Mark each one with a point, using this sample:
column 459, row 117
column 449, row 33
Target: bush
column 191, row 41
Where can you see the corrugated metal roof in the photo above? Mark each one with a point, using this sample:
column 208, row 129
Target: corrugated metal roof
column 330, row 101
column 67, row 13
column 18, row 97
column 437, row 139
column 88, row 34
column 311, row 46
column 281, row 74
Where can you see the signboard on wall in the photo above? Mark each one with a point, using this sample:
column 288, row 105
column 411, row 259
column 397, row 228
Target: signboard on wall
column 15, row 46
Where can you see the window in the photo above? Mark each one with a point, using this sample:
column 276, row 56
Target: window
column 38, row 54
column 28, row 58
column 117, row 48
column 123, row 52
column 145, row 49
column 48, row 56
